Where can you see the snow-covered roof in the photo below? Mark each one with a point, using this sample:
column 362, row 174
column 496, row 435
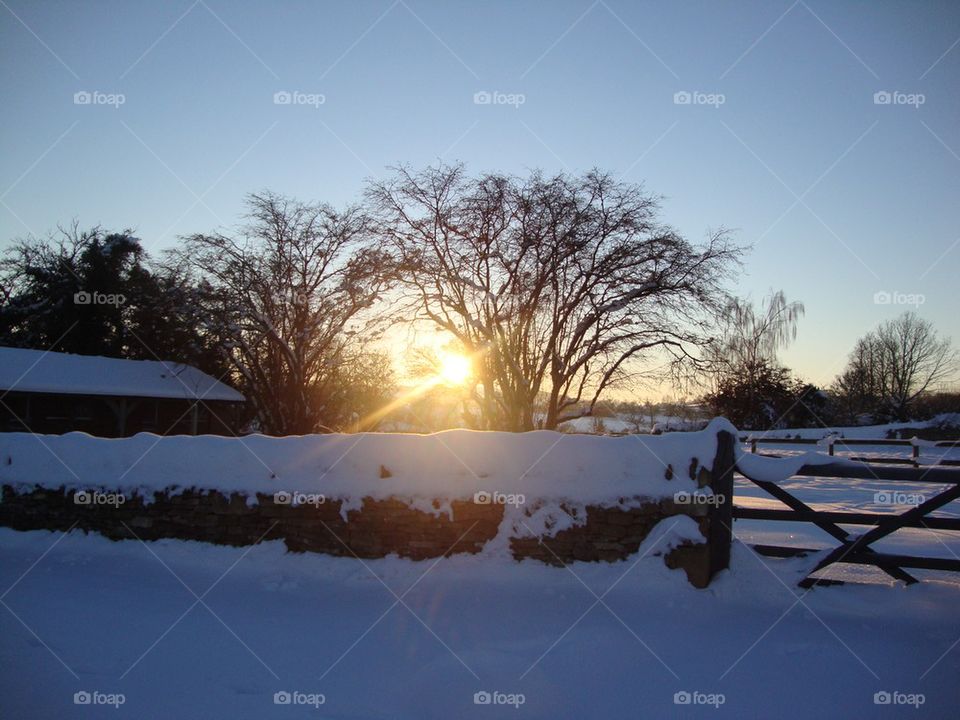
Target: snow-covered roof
column 51, row 372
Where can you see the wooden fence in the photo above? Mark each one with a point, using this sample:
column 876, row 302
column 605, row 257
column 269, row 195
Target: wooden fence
column 855, row 548
column 833, row 442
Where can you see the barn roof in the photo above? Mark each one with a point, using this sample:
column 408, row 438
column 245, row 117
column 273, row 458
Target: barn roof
column 40, row 371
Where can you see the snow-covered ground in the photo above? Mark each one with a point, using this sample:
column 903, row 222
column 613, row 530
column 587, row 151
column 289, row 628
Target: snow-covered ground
column 185, row 630
column 174, row 629
column 672, row 423
column 616, row 424
column 865, row 432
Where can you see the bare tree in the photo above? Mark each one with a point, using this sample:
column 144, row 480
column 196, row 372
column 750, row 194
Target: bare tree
column 287, row 297
column 743, row 362
column 892, row 366
column 557, row 286
column 752, row 336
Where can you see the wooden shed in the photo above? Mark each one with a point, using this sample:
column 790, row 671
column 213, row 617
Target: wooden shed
column 52, row 393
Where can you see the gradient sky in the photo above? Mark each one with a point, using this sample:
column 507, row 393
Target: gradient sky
column 841, row 197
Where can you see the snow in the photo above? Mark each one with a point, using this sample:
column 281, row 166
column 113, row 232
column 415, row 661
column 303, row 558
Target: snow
column 850, row 495
column 185, row 629
column 589, row 424
column 453, row 464
column 930, row 453
column 61, row 373
column 776, row 470
column 615, row 424
column 181, row 629
column 857, row 432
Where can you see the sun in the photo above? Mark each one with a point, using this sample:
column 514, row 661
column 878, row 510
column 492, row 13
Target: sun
column 454, row 369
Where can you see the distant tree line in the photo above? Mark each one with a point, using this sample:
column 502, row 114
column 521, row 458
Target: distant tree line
column 893, row 373
column 560, row 289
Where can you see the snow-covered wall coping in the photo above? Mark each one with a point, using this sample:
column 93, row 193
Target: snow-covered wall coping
column 454, row 464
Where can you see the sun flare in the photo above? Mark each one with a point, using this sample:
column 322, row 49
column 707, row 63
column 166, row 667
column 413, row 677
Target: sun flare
column 454, row 369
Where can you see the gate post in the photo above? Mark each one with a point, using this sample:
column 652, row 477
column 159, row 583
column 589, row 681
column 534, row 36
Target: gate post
column 721, row 514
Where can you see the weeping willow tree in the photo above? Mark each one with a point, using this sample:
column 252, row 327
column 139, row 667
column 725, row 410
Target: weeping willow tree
column 744, row 361
column 753, row 336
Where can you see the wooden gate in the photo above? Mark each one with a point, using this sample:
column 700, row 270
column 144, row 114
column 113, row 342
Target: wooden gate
column 855, row 548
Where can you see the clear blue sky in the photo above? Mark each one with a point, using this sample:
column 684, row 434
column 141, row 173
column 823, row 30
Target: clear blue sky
column 877, row 184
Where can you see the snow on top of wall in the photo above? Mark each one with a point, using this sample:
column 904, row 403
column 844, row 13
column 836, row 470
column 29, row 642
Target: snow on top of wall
column 453, row 464
column 38, row 371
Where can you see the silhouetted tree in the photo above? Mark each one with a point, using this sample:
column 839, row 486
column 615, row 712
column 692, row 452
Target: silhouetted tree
column 893, row 365
column 287, row 297
column 744, row 357
column 758, row 399
column 558, row 285
column 92, row 292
